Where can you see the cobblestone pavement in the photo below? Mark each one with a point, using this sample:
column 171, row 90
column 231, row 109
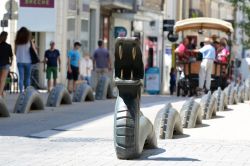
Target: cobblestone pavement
column 221, row 141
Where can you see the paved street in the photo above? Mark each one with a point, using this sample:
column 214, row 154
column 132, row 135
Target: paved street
column 37, row 121
column 82, row 134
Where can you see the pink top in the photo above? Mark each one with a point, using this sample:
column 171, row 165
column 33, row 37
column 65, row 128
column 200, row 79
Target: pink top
column 181, row 48
column 222, row 55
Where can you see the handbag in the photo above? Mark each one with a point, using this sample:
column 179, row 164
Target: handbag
column 34, row 57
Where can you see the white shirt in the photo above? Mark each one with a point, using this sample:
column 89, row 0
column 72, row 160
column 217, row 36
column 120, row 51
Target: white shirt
column 86, row 66
column 23, row 53
column 208, row 52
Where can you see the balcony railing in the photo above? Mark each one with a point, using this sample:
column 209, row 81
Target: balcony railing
column 118, row 4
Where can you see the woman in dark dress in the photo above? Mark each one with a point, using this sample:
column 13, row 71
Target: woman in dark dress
column 6, row 56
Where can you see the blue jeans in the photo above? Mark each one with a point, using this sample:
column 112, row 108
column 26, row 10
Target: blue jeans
column 6, row 67
column 88, row 79
column 24, row 70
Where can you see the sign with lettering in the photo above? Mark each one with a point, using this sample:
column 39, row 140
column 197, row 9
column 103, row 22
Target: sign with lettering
column 37, row 15
column 37, row 3
column 168, row 25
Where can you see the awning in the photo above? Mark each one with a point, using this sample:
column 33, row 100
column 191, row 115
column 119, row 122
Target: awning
column 203, row 23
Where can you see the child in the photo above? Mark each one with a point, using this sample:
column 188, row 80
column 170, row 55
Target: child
column 86, row 68
column 172, row 80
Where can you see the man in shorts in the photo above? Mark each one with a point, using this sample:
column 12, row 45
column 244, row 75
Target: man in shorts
column 73, row 66
column 51, row 58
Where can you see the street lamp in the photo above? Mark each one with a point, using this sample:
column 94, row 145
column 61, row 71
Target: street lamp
column 12, row 7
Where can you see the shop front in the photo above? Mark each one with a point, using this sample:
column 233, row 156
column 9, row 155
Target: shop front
column 40, row 18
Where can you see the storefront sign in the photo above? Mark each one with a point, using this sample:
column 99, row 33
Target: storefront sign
column 168, row 25
column 120, row 32
column 37, row 3
column 153, row 80
column 37, row 15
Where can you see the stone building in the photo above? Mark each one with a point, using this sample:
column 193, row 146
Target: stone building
column 89, row 20
column 64, row 22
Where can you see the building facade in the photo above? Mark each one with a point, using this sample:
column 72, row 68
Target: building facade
column 66, row 21
column 63, row 21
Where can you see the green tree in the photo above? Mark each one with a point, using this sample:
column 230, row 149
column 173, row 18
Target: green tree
column 245, row 24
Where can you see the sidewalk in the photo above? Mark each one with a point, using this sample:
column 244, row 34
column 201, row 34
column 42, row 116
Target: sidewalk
column 222, row 141
column 37, row 121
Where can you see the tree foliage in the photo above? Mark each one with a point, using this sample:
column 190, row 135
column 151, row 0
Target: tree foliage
column 245, row 24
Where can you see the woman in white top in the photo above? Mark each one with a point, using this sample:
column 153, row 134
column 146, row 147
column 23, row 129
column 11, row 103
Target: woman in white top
column 22, row 49
column 86, row 68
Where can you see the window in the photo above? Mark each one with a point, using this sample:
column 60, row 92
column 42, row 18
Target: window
column 85, row 45
column 71, row 24
column 84, row 26
column 72, row 4
column 85, row 7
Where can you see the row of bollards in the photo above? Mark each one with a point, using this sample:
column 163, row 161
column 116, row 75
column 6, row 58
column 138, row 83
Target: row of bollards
column 193, row 112
column 132, row 130
column 31, row 99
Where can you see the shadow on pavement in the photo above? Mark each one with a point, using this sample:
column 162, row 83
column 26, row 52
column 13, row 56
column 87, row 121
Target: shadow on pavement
column 173, row 159
column 228, row 109
column 218, row 117
column 180, row 136
column 201, row 125
column 153, row 156
column 151, row 152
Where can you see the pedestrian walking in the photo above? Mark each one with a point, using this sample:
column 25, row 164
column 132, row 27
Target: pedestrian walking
column 172, row 80
column 208, row 57
column 73, row 66
column 6, row 57
column 86, row 68
column 52, row 59
column 23, row 43
column 102, row 63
